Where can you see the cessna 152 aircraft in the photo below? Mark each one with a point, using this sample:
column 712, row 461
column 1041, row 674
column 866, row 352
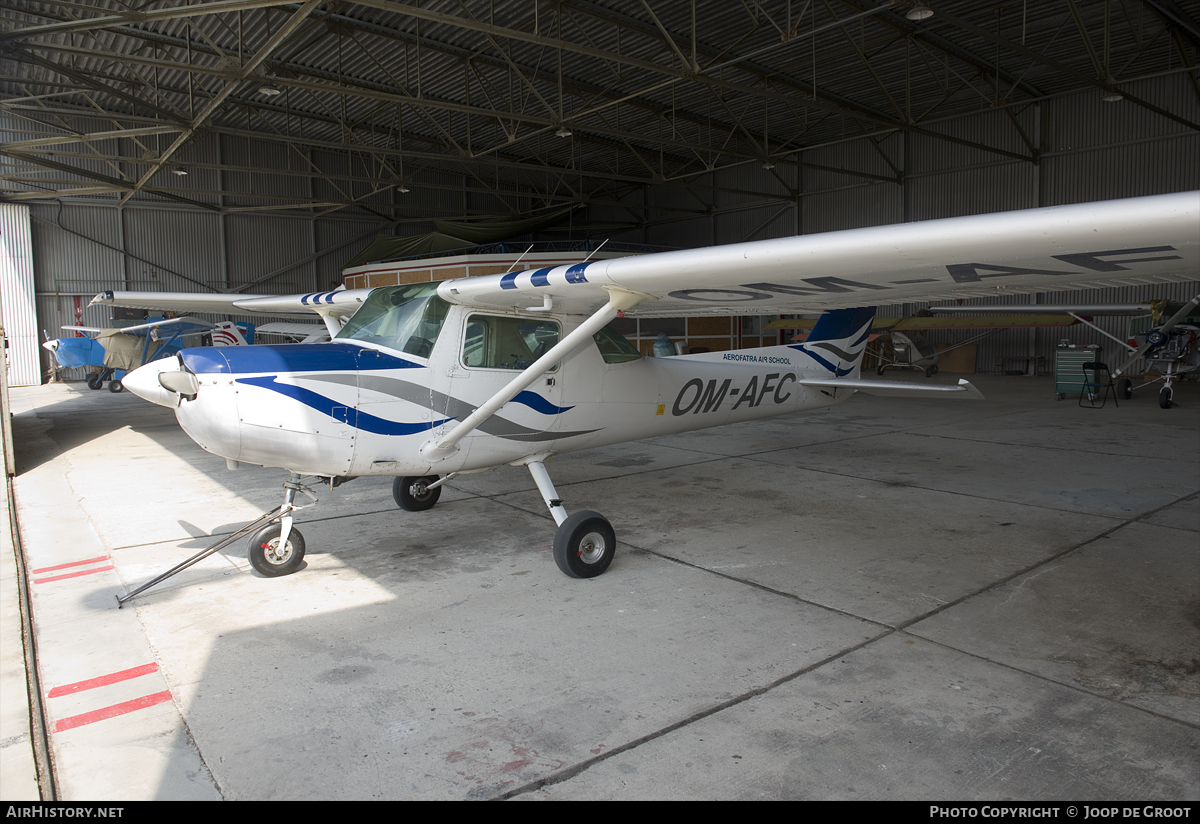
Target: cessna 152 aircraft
column 431, row 380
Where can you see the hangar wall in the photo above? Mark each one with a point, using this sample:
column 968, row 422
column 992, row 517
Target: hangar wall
column 20, row 339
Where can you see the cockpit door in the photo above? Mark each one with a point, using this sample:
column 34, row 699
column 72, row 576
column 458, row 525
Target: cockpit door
column 490, row 350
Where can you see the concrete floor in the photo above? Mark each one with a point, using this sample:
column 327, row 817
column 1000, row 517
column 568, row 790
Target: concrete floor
column 890, row 600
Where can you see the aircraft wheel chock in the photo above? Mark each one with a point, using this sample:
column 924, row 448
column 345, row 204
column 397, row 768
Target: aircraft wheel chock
column 1164, row 398
column 1126, row 389
column 413, row 495
column 584, row 545
column 272, row 561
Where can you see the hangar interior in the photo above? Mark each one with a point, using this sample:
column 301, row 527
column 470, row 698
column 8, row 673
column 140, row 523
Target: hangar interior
column 258, row 146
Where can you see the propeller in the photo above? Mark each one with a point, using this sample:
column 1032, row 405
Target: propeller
column 1157, row 340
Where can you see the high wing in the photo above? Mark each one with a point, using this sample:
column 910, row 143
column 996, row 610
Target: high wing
column 294, row 330
column 141, row 329
column 332, row 307
column 339, row 303
column 1134, row 241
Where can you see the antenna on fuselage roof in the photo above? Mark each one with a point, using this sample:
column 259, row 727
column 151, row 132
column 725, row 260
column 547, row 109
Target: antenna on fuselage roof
column 594, row 251
column 521, row 258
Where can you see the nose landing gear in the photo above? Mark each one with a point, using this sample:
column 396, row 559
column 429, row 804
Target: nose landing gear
column 275, row 550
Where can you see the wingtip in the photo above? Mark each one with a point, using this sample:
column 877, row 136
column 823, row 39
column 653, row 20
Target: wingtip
column 971, row 389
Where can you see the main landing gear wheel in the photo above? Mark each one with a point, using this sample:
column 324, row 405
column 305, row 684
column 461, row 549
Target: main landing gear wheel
column 584, row 545
column 1126, row 389
column 414, row 495
column 931, row 371
column 115, row 386
column 1165, row 397
column 272, row 560
column 94, row 381
column 879, row 369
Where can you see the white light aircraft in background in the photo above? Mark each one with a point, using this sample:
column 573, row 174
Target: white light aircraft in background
column 427, row 381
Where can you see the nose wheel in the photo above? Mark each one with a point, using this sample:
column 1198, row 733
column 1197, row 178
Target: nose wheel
column 278, row 548
column 272, row 558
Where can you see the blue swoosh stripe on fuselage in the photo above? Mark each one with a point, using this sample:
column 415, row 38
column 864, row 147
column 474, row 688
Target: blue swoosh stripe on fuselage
column 294, row 357
column 354, row 418
column 539, row 404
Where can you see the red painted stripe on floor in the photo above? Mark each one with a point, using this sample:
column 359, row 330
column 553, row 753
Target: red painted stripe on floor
column 92, row 717
column 103, row 680
column 70, row 575
column 72, row 564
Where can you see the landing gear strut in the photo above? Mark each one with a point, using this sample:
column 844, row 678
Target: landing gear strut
column 585, row 542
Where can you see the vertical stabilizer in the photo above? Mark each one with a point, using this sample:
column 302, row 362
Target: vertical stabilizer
column 838, row 340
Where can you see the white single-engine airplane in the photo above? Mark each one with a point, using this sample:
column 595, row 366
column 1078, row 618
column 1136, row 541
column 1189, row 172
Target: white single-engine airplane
column 426, row 381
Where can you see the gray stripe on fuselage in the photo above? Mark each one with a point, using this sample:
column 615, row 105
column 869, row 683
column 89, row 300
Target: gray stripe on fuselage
column 443, row 404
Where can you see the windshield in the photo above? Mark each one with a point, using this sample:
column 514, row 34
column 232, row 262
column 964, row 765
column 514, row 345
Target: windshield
column 404, row 318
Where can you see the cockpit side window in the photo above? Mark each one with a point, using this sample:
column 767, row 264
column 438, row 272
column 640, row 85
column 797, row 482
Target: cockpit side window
column 491, row 342
column 404, row 318
column 613, row 346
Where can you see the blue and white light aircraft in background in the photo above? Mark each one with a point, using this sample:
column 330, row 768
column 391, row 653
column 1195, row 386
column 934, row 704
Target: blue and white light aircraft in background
column 119, row 350
column 427, row 381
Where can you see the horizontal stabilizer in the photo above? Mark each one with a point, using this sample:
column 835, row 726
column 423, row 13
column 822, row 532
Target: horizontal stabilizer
column 963, row 390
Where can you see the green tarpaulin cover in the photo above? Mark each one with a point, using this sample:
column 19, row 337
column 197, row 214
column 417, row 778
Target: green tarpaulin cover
column 449, row 235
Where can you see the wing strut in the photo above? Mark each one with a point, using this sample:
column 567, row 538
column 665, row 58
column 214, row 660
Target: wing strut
column 618, row 301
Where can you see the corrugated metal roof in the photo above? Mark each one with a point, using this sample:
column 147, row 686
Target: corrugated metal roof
column 375, row 95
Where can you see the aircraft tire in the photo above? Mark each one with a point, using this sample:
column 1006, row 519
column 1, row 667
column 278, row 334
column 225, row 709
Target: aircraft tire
column 94, row 381
column 415, row 500
column 265, row 557
column 115, row 386
column 584, row 545
column 1164, row 397
column 1126, row 389
column 879, row 369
